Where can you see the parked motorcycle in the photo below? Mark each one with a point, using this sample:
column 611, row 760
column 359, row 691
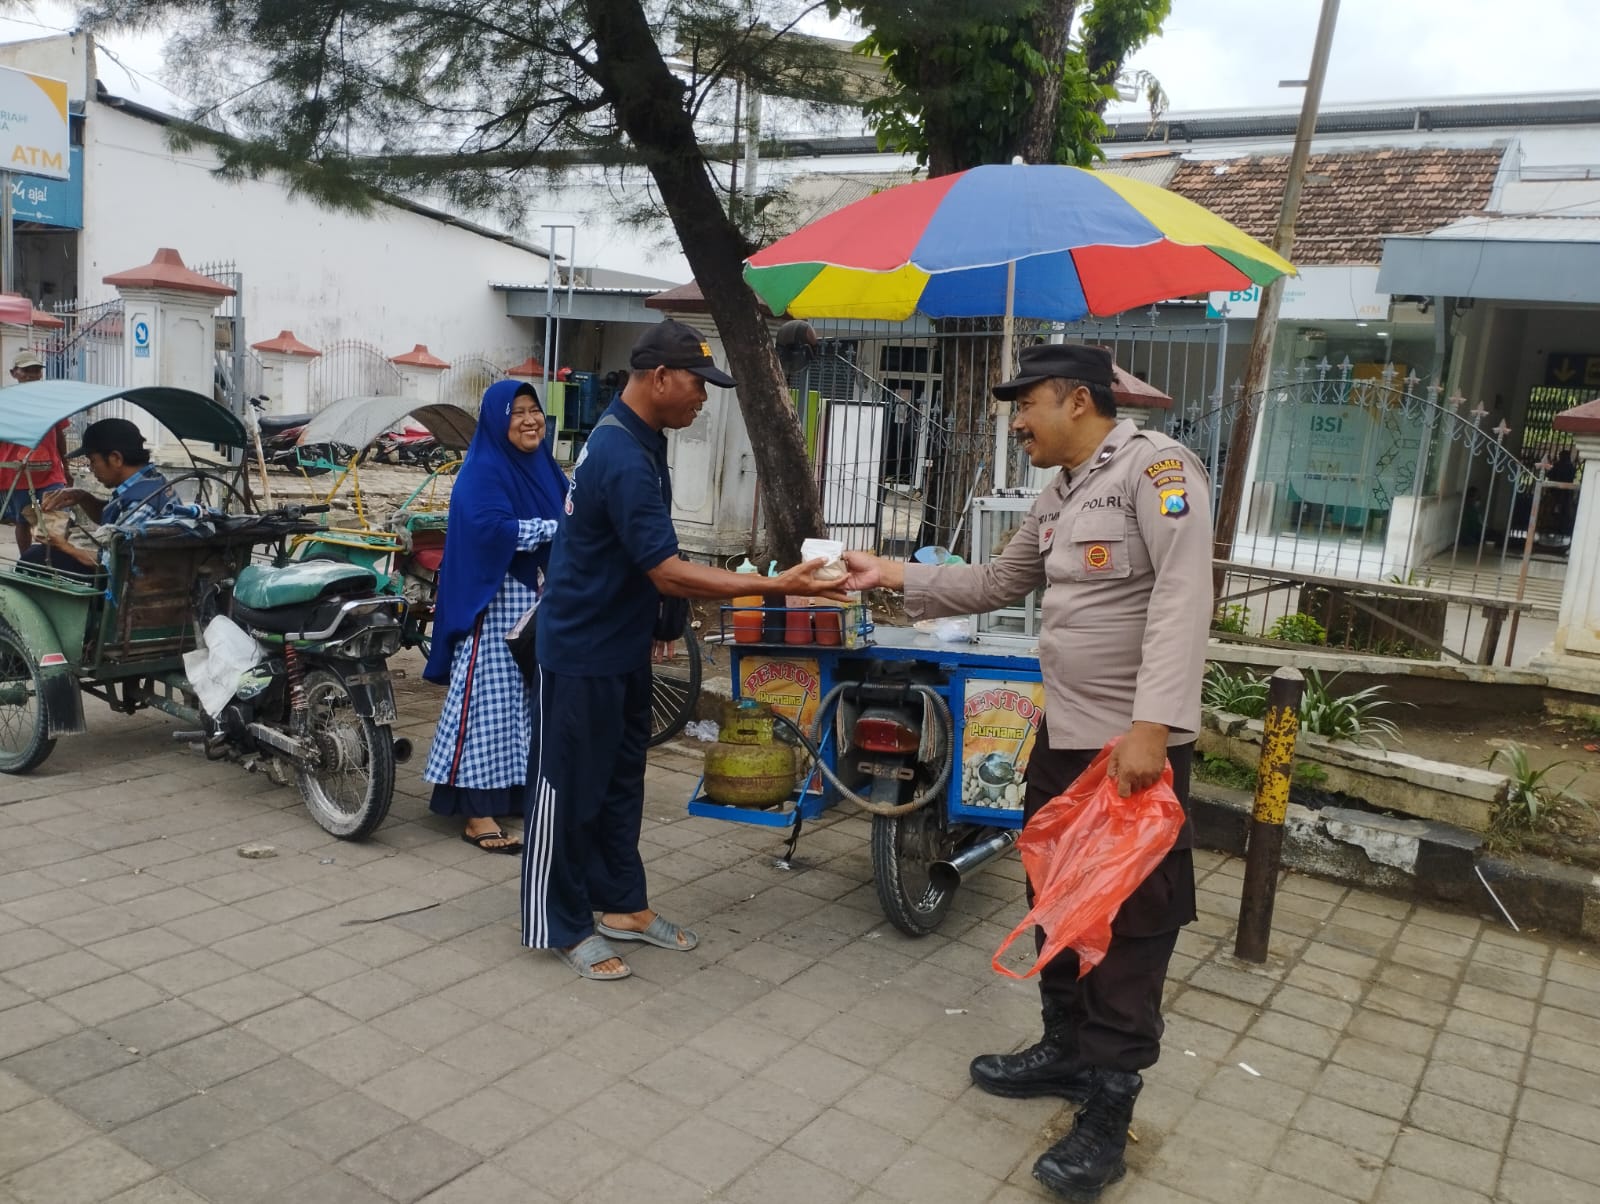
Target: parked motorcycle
column 318, row 707
column 279, row 433
column 410, row 443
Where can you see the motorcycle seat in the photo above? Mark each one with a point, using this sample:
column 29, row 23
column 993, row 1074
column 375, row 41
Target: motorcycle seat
column 307, row 616
column 271, row 424
column 262, row 588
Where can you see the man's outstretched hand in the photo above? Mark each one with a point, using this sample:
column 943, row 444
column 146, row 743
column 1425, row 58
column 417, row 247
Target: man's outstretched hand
column 873, row 572
column 802, row 581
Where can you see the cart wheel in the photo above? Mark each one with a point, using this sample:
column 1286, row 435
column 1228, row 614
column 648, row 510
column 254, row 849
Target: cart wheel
column 350, row 794
column 902, row 850
column 674, row 690
column 24, row 742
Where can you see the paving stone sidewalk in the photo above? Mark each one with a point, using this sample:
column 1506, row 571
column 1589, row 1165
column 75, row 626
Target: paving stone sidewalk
column 357, row 1023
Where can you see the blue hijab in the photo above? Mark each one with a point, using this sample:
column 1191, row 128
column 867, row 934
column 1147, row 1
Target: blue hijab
column 496, row 487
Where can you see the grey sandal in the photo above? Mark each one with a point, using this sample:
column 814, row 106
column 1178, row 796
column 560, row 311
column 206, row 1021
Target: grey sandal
column 661, row 932
column 589, row 953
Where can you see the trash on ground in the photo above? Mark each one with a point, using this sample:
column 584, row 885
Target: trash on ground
column 703, row 730
column 257, row 851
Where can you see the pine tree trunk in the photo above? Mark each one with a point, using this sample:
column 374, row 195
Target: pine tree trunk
column 648, row 101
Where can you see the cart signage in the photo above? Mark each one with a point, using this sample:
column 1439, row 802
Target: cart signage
column 791, row 686
column 999, row 722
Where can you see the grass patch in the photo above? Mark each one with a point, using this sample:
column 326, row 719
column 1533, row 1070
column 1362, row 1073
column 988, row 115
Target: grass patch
column 1224, row 771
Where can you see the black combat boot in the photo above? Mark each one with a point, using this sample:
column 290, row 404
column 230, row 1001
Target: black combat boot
column 1089, row 1159
column 1049, row 1067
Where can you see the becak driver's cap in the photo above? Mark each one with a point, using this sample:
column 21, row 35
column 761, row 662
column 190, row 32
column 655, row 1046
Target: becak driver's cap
column 1057, row 361
column 672, row 344
column 110, row 435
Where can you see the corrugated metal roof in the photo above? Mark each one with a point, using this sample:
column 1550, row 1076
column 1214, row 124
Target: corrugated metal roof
column 1476, row 113
column 815, row 196
column 1156, row 169
column 1521, row 229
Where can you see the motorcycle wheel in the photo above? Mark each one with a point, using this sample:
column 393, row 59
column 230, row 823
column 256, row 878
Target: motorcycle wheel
column 903, row 847
column 674, row 690
column 349, row 795
column 24, row 725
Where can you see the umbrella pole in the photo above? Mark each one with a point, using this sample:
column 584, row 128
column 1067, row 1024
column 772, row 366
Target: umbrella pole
column 1002, row 410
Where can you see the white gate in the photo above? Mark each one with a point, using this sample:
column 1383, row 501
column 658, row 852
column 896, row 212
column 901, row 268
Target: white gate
column 351, row 368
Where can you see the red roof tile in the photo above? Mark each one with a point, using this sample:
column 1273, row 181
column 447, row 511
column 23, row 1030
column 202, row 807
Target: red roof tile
column 1350, row 200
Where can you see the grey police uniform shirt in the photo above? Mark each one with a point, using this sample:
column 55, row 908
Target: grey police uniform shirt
column 1123, row 547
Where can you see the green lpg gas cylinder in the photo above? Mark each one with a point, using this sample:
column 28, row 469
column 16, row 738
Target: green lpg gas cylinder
column 747, row 766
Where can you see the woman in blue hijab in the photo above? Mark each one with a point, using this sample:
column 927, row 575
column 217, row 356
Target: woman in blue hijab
column 507, row 499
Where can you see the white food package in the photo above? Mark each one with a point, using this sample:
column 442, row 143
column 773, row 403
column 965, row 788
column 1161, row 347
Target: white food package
column 830, row 550
column 214, row 669
column 948, row 631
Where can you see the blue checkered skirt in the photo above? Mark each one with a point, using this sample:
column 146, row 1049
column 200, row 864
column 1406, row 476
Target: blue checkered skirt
column 486, row 725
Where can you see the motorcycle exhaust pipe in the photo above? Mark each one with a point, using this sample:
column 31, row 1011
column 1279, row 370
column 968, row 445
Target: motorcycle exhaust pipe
column 947, row 875
column 402, row 750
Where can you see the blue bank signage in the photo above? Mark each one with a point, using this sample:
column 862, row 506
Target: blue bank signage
column 50, row 202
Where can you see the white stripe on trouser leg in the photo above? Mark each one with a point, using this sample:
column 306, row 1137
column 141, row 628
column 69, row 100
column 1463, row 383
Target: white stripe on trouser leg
column 545, row 853
column 539, row 841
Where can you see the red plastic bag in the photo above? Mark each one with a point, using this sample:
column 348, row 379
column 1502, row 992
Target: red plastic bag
column 1085, row 852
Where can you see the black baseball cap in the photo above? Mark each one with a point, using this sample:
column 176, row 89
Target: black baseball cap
column 110, row 435
column 671, row 344
column 1064, row 361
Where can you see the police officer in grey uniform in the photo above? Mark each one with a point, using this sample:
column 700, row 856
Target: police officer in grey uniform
column 1121, row 541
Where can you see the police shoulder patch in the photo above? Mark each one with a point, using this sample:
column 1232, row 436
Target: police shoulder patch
column 1174, row 502
column 1163, row 466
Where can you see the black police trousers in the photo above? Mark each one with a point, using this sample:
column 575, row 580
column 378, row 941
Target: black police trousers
column 1112, row 1015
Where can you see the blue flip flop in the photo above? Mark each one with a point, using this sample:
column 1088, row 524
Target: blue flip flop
column 661, row 932
column 589, row 953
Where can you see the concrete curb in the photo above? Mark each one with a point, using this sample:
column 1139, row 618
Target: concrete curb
column 1414, row 858
column 1422, row 859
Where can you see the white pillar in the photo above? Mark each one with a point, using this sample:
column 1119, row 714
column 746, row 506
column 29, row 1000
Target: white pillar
column 1578, row 628
column 420, row 371
column 286, row 373
column 169, row 329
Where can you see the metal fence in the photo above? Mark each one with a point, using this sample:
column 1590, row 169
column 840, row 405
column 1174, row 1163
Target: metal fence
column 352, row 368
column 88, row 348
column 901, row 427
column 1379, row 481
column 1354, row 477
column 464, row 382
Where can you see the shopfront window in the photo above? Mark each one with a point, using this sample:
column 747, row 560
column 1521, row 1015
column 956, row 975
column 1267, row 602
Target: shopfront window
column 1337, row 451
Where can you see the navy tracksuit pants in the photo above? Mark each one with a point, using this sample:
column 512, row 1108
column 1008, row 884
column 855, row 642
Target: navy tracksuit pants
column 585, row 805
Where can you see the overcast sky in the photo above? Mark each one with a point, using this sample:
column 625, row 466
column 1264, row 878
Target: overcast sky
column 1216, row 54
column 1222, row 53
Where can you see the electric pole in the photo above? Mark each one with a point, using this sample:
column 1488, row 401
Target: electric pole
column 1266, row 328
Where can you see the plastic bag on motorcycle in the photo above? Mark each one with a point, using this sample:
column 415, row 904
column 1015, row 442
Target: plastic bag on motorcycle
column 1084, row 852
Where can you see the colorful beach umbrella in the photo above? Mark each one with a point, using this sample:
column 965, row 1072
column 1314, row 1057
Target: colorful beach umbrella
column 1030, row 241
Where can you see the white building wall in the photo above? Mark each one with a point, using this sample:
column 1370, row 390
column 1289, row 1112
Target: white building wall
column 393, row 278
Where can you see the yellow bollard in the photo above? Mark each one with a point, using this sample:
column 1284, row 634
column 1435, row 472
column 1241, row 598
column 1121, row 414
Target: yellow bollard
column 1264, row 852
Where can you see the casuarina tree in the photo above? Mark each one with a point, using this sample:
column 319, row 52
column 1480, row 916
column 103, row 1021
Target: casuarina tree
column 346, row 99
